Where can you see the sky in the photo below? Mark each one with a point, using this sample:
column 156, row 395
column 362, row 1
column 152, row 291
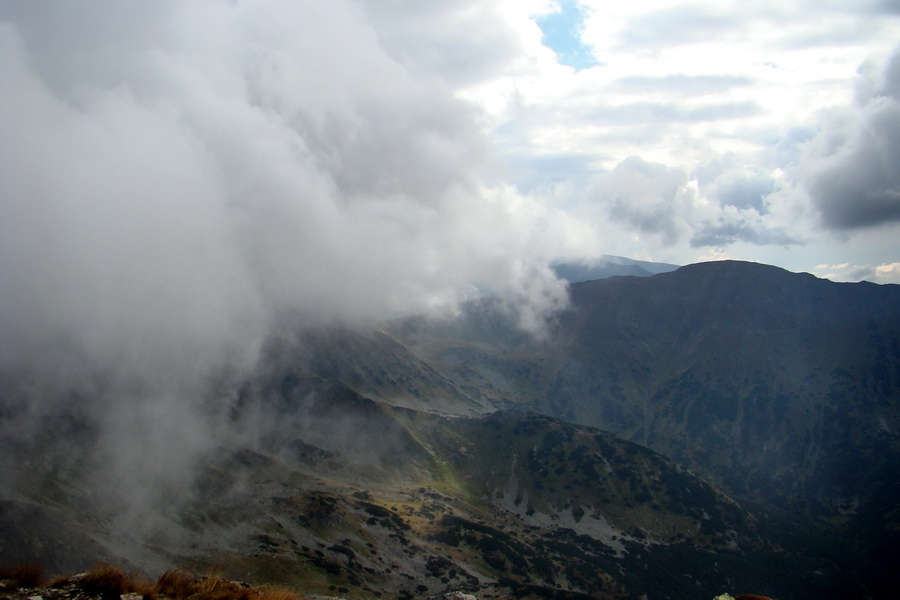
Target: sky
column 180, row 179
column 686, row 131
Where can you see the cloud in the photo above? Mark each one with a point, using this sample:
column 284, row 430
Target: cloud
column 681, row 84
column 179, row 179
column 885, row 273
column 683, row 24
column 657, row 28
column 850, row 166
column 734, row 224
column 723, row 202
column 740, row 201
column 463, row 42
column 731, row 183
column 649, row 197
column 669, row 113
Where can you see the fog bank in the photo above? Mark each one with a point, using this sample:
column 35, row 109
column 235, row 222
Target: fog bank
column 179, row 179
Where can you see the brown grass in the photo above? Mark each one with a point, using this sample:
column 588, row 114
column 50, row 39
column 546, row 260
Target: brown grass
column 28, row 575
column 179, row 585
column 109, row 582
column 214, row 588
column 176, row 584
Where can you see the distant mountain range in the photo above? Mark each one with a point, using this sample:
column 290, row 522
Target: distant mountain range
column 608, row 266
column 721, row 427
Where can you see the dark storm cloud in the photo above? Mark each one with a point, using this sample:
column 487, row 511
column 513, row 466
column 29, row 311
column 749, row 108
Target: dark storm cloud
column 850, row 168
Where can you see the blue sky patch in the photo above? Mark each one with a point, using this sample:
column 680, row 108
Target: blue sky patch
column 562, row 34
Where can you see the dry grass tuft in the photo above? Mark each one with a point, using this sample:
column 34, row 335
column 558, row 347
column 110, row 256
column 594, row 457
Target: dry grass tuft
column 214, row 588
column 179, row 585
column 28, row 575
column 176, row 584
column 59, row 581
column 109, row 583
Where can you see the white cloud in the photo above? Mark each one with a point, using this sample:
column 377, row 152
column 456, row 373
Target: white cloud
column 645, row 196
column 886, row 273
column 461, row 41
column 688, row 85
column 179, row 178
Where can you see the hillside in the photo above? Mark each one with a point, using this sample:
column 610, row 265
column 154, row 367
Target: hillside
column 722, row 427
column 353, row 497
column 781, row 387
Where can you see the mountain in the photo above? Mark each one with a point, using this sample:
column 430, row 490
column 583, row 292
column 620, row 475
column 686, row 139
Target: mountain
column 346, row 495
column 721, row 427
column 782, row 388
column 608, row 266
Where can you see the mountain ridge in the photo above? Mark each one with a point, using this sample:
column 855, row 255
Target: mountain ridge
column 783, row 388
column 608, row 265
column 471, row 455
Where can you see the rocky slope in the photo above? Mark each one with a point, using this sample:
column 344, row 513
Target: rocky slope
column 782, row 388
column 354, row 497
column 465, row 454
